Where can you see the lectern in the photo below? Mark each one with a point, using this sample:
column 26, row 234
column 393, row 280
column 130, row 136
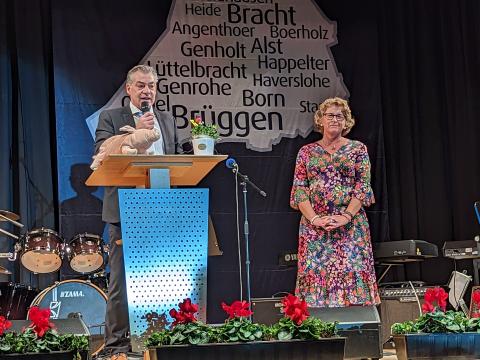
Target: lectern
column 164, row 234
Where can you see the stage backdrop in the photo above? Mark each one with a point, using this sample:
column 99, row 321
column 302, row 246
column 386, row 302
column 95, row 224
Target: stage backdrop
column 257, row 71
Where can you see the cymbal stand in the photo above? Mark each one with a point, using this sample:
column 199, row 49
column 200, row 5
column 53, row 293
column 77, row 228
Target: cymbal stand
column 11, row 256
column 16, row 223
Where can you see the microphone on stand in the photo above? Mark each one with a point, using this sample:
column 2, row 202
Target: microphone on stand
column 231, row 163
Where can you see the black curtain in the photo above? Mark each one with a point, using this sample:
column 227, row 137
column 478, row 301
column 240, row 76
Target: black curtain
column 429, row 57
column 28, row 153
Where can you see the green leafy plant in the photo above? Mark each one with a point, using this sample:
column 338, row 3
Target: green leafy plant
column 39, row 337
column 435, row 319
column 200, row 128
column 193, row 333
column 239, row 328
column 309, row 329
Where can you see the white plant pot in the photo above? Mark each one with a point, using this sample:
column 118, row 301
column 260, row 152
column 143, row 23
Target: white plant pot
column 203, row 145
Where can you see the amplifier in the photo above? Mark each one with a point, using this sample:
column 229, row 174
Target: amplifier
column 403, row 294
column 458, row 250
column 394, row 311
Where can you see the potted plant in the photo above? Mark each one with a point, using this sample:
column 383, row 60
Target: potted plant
column 437, row 333
column 294, row 336
column 40, row 341
column 203, row 137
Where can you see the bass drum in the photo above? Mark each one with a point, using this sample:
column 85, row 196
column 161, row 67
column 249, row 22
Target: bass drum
column 15, row 299
column 71, row 298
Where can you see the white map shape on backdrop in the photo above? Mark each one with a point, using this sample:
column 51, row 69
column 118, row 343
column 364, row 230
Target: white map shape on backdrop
column 257, row 71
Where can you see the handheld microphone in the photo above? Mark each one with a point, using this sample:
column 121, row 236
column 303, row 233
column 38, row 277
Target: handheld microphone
column 144, row 107
column 231, row 163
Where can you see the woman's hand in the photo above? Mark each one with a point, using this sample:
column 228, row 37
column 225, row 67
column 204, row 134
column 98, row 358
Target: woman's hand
column 335, row 221
column 323, row 222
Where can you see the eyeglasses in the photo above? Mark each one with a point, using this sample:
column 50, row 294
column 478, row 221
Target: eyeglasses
column 338, row 117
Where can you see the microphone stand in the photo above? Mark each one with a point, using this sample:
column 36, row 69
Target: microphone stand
column 246, row 232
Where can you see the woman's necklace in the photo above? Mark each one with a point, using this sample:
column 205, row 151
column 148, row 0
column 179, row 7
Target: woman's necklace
column 332, row 145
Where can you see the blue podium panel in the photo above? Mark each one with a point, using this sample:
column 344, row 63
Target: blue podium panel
column 165, row 247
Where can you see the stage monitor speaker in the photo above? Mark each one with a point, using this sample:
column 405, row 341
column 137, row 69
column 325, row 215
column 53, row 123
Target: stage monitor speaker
column 266, row 310
column 394, row 311
column 360, row 325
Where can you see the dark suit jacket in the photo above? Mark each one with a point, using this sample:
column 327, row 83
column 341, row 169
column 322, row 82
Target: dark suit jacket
column 109, row 124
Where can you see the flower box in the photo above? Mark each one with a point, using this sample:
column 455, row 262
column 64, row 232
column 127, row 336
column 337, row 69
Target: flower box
column 323, row 349
column 438, row 346
column 54, row 355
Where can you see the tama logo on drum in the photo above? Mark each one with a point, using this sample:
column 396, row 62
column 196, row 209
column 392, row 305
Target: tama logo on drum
column 71, row 294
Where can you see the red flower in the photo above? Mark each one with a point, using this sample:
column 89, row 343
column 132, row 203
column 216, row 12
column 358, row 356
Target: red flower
column 427, row 307
column 4, row 324
column 435, row 296
column 40, row 320
column 187, row 306
column 186, row 313
column 295, row 309
column 237, row 309
column 198, row 119
column 476, row 298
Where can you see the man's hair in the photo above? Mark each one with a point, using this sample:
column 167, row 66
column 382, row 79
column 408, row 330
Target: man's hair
column 142, row 68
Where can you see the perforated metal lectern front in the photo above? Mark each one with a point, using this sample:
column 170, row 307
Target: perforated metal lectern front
column 165, row 244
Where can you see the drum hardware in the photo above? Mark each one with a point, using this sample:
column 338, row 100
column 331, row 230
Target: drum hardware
column 10, row 217
column 99, row 279
column 5, row 232
column 11, row 257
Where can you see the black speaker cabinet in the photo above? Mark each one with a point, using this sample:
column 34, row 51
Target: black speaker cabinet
column 394, row 311
column 266, row 310
column 360, row 325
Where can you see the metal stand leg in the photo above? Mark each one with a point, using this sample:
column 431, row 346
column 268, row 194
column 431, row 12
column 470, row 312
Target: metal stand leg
column 476, row 266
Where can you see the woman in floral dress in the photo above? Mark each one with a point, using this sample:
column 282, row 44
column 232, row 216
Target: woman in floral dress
column 331, row 186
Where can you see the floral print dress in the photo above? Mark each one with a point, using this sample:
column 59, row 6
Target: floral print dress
column 335, row 269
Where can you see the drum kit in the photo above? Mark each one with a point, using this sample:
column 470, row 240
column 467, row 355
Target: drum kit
column 43, row 251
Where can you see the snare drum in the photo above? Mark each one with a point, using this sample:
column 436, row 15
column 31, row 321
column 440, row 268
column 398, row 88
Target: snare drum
column 69, row 298
column 85, row 253
column 42, row 251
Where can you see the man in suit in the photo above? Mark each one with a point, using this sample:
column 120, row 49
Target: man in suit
column 141, row 87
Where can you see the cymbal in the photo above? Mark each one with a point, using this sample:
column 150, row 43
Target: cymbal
column 8, row 214
column 4, row 271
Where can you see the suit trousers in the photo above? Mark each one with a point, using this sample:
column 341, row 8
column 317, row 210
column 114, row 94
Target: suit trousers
column 117, row 324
